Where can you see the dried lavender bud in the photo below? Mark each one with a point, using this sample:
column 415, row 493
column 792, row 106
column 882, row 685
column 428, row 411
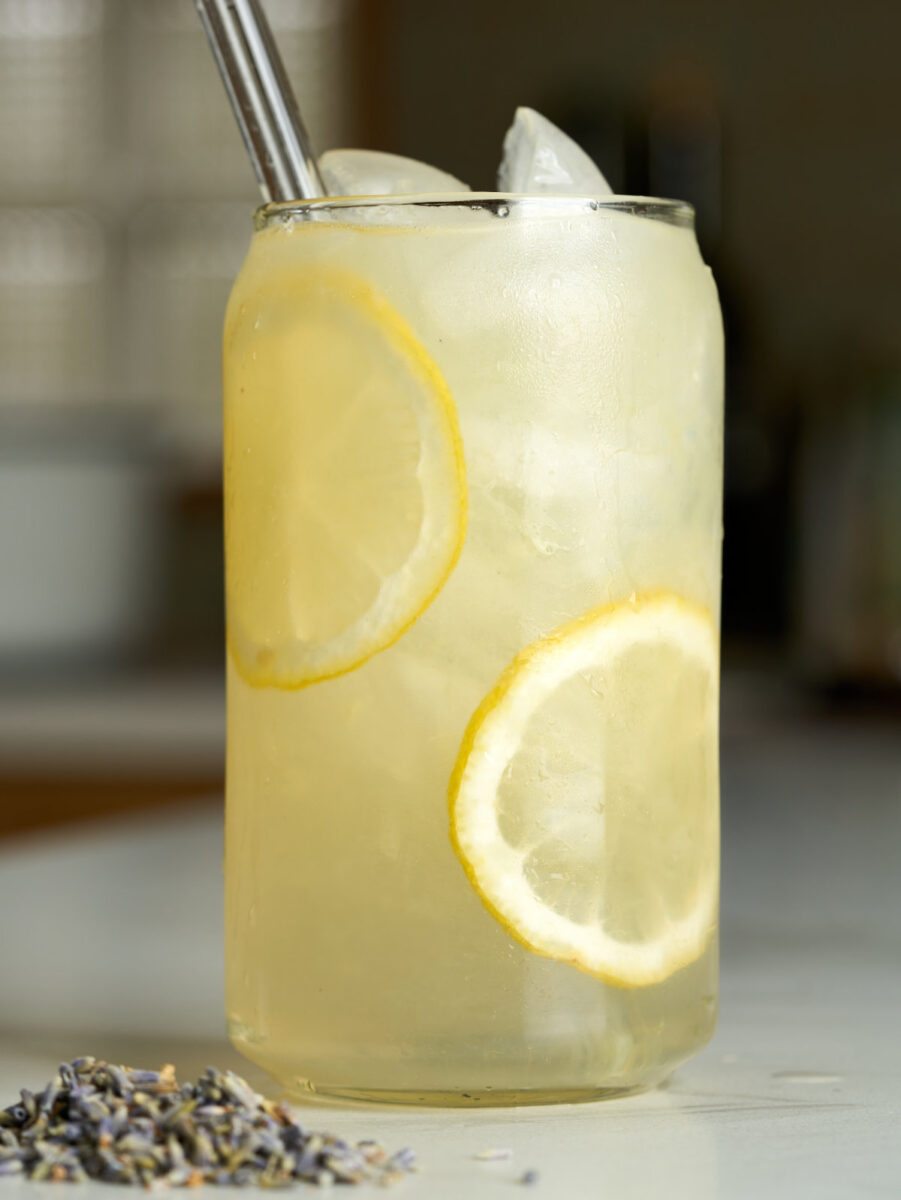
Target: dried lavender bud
column 96, row 1120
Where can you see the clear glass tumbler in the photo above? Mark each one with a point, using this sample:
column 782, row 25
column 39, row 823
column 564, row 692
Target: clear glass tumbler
column 473, row 465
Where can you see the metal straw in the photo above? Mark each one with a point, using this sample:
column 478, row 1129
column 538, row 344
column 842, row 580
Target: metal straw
column 261, row 95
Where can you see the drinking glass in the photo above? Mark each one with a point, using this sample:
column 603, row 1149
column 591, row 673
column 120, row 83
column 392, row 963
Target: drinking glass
column 473, row 472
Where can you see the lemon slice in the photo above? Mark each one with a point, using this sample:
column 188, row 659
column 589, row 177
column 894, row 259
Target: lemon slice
column 345, row 484
column 584, row 802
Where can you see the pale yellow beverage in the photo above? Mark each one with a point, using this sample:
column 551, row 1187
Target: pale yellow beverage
column 473, row 520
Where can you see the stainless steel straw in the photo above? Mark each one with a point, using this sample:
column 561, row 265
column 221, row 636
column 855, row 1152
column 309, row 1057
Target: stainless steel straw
column 261, row 95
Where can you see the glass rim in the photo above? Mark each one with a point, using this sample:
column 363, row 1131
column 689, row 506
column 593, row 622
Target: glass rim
column 501, row 204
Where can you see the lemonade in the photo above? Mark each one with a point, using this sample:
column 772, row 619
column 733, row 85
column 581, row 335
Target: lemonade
column 473, row 502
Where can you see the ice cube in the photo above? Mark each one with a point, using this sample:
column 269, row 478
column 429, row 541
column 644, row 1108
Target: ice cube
column 374, row 173
column 540, row 158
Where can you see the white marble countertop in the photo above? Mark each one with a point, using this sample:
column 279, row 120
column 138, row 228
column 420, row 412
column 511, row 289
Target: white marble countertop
column 110, row 943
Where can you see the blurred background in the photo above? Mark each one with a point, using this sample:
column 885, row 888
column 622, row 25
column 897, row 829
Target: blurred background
column 125, row 203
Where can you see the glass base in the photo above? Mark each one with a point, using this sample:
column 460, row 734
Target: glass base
column 306, row 1090
column 455, row 1081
